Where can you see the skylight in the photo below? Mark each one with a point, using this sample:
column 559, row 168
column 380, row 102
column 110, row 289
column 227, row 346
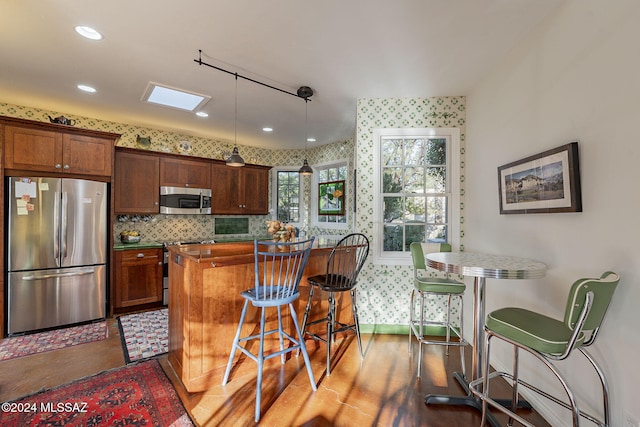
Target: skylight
column 175, row 98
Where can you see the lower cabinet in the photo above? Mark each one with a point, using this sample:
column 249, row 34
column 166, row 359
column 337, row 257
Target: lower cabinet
column 138, row 277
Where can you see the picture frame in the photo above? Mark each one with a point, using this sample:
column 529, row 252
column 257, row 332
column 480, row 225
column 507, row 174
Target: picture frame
column 547, row 182
column 331, row 198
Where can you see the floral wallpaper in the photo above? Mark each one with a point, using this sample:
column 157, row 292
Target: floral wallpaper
column 383, row 291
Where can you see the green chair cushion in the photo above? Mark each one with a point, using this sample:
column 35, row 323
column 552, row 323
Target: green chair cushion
column 530, row 329
column 438, row 285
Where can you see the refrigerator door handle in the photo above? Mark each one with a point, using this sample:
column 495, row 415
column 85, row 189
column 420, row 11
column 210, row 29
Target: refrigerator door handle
column 56, row 228
column 65, row 205
column 54, row 275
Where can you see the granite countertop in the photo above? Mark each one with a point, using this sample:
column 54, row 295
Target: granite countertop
column 233, row 253
column 143, row 244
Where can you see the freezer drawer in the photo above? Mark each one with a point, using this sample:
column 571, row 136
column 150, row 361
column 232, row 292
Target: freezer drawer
column 49, row 298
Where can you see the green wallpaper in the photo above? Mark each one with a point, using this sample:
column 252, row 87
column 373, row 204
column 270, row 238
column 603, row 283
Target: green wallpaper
column 383, row 290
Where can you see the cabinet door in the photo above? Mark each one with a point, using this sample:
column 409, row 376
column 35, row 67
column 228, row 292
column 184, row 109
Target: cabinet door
column 138, row 277
column 185, row 173
column 226, row 185
column 256, row 191
column 86, row 155
column 136, row 183
column 33, row 149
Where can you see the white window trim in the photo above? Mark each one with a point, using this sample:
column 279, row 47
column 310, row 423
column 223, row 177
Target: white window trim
column 274, row 192
column 314, row 197
column 453, row 179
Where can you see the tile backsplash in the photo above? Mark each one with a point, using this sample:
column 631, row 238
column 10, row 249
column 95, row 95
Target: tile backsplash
column 167, row 228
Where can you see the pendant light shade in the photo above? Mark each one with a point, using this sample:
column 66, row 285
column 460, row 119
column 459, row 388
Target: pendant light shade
column 235, row 160
column 305, row 92
column 305, row 169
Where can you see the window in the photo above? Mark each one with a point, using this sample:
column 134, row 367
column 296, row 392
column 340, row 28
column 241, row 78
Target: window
column 287, row 196
column 329, row 173
column 416, row 190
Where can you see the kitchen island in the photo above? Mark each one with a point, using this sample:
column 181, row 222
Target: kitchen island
column 205, row 305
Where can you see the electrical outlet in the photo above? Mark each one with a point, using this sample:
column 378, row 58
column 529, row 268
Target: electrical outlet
column 630, row 421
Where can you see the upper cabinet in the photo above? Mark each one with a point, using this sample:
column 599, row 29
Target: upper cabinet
column 43, row 147
column 136, row 184
column 176, row 172
column 240, row 191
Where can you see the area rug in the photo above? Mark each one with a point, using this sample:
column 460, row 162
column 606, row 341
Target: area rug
column 134, row 395
column 144, row 335
column 51, row 340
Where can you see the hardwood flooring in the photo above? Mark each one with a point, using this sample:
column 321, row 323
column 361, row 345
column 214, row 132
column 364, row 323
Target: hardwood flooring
column 379, row 390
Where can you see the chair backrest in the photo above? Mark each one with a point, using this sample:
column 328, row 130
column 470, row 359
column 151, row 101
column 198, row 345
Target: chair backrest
column 600, row 292
column 418, row 251
column 279, row 267
column 345, row 262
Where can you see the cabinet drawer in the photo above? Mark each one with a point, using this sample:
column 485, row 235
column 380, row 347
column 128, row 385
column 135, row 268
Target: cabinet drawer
column 135, row 255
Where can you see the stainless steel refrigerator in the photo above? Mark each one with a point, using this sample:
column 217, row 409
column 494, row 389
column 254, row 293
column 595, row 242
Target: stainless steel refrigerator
column 56, row 252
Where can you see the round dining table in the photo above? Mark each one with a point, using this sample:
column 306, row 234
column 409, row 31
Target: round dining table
column 480, row 266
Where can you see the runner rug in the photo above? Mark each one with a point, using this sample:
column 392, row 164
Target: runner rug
column 51, row 340
column 144, row 335
column 134, row 395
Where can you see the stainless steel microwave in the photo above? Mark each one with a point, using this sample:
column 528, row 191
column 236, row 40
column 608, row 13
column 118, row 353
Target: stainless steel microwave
column 186, row 201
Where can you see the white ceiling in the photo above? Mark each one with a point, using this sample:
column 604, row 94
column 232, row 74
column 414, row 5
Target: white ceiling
column 343, row 49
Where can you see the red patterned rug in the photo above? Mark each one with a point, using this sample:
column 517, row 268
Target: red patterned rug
column 134, row 395
column 51, row 340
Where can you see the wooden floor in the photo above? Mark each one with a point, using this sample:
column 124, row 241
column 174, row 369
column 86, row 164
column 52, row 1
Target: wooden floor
column 379, row 390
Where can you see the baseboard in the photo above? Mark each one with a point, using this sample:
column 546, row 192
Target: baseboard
column 438, row 331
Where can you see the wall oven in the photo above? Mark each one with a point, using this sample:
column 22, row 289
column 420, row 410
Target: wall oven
column 185, row 201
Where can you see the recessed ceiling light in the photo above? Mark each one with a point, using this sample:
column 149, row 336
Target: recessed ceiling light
column 311, row 140
column 267, row 129
column 86, row 88
column 173, row 97
column 88, row 32
column 202, row 114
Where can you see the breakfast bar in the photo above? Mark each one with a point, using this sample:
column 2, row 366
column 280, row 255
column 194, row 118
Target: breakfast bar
column 205, row 305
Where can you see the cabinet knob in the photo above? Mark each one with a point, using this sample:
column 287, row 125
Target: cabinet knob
column 57, row 166
column 140, row 255
column 66, row 167
column 186, row 185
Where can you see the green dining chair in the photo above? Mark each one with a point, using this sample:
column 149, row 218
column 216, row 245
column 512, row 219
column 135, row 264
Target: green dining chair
column 425, row 287
column 550, row 340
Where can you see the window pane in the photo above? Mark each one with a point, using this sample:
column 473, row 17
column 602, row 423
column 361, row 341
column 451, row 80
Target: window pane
column 392, row 180
column 288, row 184
column 413, row 153
column 437, row 151
column 393, row 209
column 392, row 239
column 437, row 234
column 414, row 209
column 436, row 180
column 437, row 210
column 414, row 180
column 414, row 233
column 391, row 152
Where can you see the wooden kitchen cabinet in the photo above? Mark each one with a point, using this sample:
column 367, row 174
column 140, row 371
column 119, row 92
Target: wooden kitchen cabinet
column 138, row 277
column 176, row 172
column 42, row 147
column 240, row 191
column 136, row 183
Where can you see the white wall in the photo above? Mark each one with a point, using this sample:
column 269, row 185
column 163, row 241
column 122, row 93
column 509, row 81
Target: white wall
column 576, row 79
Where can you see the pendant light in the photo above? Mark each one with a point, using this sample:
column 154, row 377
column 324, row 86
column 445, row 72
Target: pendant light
column 235, row 160
column 305, row 92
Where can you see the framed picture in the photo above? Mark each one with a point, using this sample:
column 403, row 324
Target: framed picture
column 331, row 198
column 543, row 183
